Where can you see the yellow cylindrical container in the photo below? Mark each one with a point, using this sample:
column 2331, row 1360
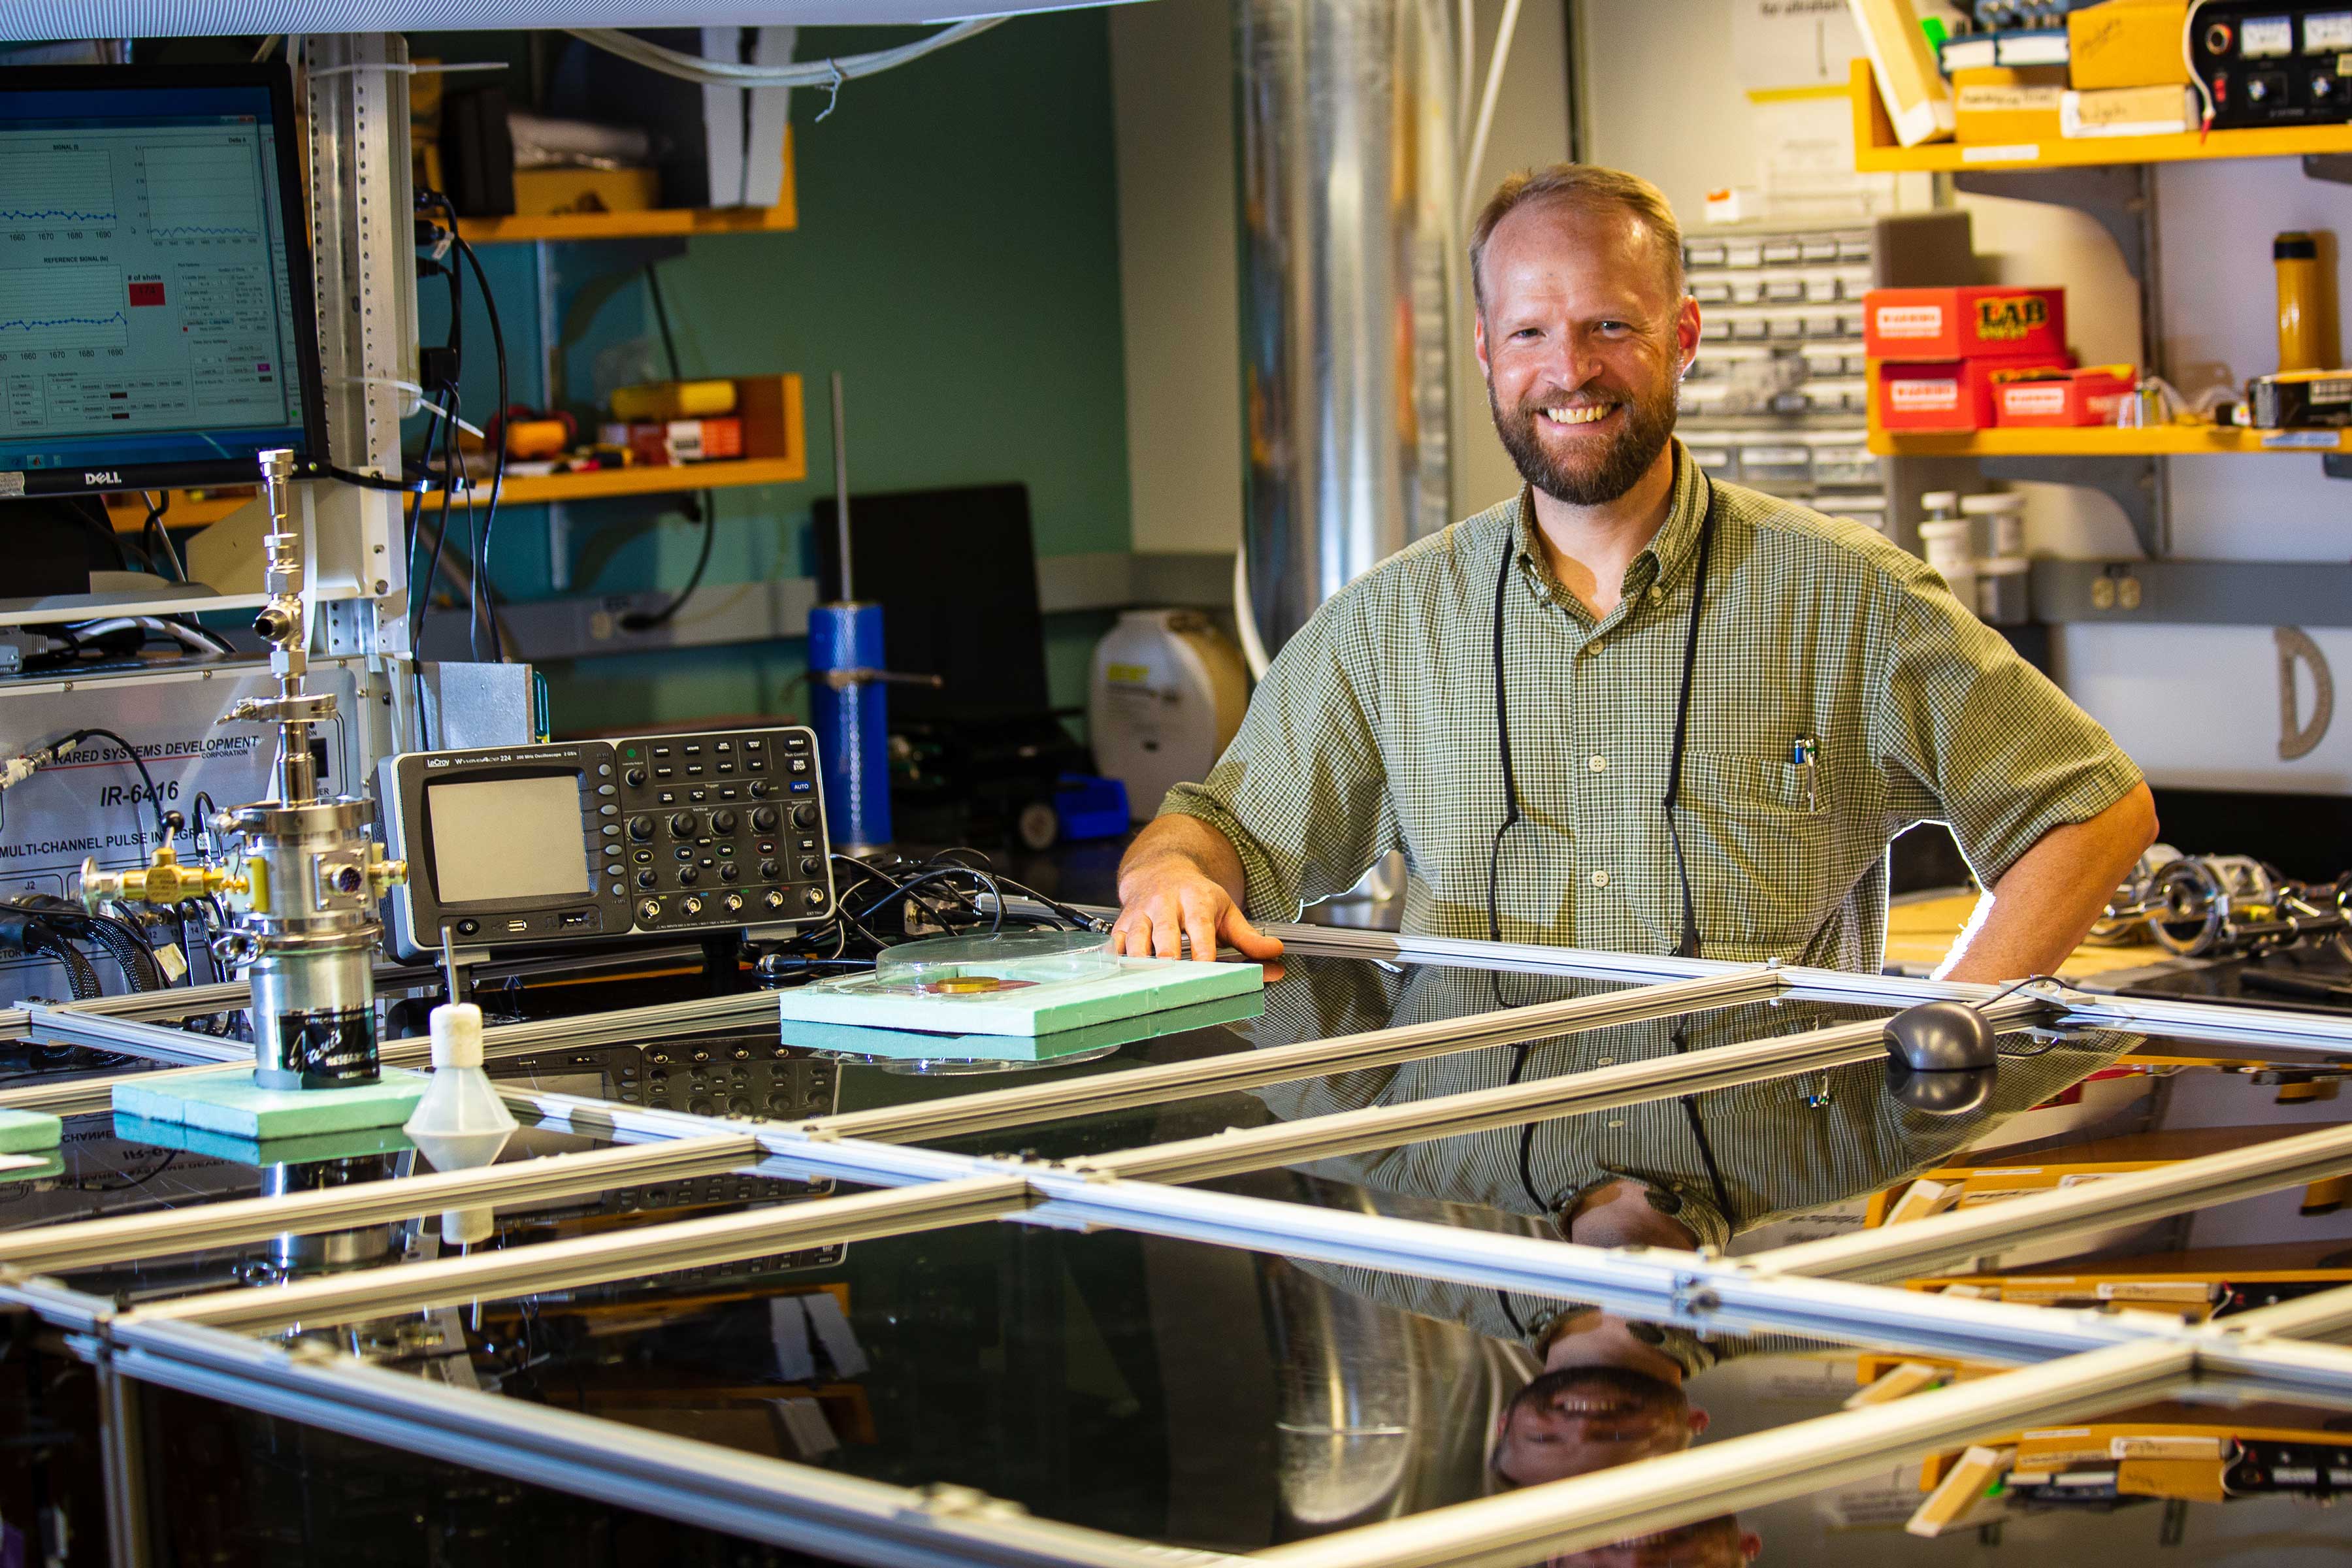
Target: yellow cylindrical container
column 2302, row 304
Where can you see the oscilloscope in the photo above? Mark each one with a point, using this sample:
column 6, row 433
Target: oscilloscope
column 155, row 312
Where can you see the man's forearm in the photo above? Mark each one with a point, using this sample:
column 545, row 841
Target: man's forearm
column 2044, row 905
column 1188, row 838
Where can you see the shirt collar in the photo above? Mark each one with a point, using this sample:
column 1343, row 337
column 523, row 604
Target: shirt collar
column 1661, row 564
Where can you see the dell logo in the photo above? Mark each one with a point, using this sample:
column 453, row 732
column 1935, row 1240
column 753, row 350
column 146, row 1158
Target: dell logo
column 101, row 477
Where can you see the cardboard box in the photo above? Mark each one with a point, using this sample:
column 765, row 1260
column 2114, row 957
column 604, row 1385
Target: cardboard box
column 1947, row 395
column 2003, row 115
column 2128, row 43
column 1962, row 323
column 660, row 443
column 2042, row 397
column 2009, row 76
column 1910, row 85
column 2128, row 111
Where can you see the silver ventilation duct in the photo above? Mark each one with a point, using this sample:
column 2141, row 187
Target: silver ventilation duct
column 42, row 19
column 1350, row 275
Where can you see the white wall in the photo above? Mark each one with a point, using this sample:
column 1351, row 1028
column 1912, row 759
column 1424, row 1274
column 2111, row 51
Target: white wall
column 1172, row 69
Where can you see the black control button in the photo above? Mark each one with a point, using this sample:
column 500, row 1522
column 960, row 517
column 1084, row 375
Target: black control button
column 681, row 824
column 667, row 797
column 755, row 764
column 643, row 856
column 688, row 875
column 694, row 750
column 804, row 815
column 693, row 770
column 648, row 878
column 665, row 772
column 697, row 795
column 604, row 789
column 722, row 821
column 467, row 928
column 730, row 793
column 800, row 764
column 684, row 852
column 763, row 819
column 755, row 745
column 759, row 789
column 796, row 742
column 730, row 872
column 661, row 751
column 635, row 778
column 767, row 870
column 810, row 865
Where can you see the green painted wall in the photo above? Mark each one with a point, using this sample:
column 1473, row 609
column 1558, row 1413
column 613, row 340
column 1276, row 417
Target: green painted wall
column 956, row 259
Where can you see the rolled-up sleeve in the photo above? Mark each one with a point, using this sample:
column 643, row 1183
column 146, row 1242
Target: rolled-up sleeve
column 1985, row 741
column 1302, row 792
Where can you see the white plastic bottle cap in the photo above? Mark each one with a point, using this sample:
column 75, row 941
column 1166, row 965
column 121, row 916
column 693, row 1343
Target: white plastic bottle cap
column 457, row 1035
column 1991, row 505
column 1940, row 501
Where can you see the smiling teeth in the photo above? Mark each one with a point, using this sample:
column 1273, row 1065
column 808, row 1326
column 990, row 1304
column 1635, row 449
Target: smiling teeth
column 1583, row 415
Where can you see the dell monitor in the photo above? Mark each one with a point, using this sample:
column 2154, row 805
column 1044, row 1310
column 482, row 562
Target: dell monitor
column 155, row 314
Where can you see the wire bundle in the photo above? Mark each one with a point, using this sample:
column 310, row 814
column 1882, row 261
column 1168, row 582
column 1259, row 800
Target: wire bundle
column 943, row 890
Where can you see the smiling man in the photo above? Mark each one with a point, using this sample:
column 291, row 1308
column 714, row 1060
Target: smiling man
column 1631, row 708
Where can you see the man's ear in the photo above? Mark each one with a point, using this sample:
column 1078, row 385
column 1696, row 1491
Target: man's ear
column 1698, row 1420
column 1751, row 1545
column 1687, row 334
column 1478, row 343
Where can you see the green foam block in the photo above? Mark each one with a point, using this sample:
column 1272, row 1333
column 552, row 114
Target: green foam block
column 300, row 1151
column 1141, row 986
column 28, row 1132
column 230, row 1101
column 914, row 1045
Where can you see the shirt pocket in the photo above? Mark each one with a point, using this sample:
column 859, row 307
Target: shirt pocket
column 1762, row 851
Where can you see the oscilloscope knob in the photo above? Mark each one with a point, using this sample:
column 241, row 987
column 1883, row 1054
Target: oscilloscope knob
column 634, row 777
column 805, row 817
column 641, row 828
column 722, row 822
column 681, row 824
column 729, row 871
column 763, row 819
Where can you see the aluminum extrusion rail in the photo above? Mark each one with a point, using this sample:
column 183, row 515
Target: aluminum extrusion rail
column 2273, row 1029
column 1595, row 1509
column 1344, row 1132
column 1894, row 1252
column 126, row 1237
column 598, row 1259
column 1371, row 1047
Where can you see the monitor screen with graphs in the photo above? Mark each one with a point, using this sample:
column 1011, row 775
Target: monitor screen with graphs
column 155, row 319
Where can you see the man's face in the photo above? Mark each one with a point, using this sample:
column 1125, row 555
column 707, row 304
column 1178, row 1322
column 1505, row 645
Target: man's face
column 1585, row 1418
column 1583, row 342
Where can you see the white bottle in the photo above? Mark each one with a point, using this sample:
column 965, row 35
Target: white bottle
column 460, row 1123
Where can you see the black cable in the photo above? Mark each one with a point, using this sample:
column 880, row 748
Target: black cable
column 697, row 507
column 416, row 518
column 648, row 620
column 499, row 458
column 155, row 525
column 441, row 533
column 146, row 778
column 404, row 485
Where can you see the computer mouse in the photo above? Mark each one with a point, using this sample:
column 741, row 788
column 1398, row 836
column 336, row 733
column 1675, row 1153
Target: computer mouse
column 1941, row 1037
column 1941, row 1059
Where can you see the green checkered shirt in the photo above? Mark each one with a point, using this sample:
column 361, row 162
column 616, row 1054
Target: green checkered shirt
column 1375, row 730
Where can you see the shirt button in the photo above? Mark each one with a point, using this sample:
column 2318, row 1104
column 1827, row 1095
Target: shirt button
column 1600, row 879
column 1599, row 764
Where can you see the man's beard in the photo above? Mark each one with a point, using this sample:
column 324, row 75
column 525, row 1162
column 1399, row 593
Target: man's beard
column 1649, row 424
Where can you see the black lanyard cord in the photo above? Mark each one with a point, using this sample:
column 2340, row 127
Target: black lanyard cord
column 1689, row 945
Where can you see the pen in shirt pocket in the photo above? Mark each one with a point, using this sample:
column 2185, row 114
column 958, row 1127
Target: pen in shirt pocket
column 1805, row 757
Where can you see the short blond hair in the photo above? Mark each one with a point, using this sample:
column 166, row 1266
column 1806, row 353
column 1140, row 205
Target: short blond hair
column 1588, row 187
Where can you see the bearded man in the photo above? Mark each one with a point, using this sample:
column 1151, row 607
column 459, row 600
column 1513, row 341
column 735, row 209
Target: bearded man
column 1633, row 707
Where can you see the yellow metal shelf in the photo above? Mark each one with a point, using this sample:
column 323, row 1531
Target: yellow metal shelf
column 2100, row 441
column 1876, row 152
column 775, row 446
column 655, row 223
